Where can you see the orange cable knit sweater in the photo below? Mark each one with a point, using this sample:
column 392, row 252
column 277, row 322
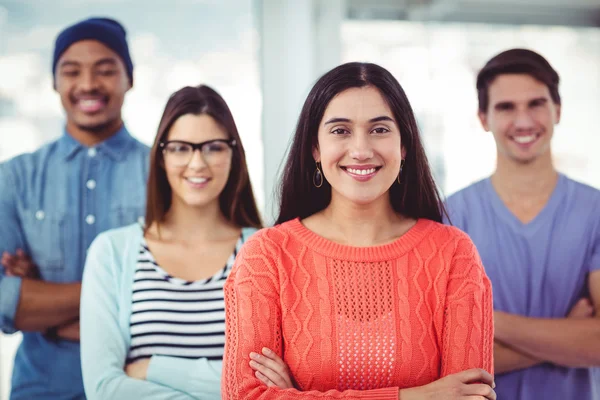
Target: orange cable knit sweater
column 356, row 322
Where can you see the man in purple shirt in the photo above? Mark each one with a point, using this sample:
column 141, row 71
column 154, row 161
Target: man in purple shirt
column 538, row 233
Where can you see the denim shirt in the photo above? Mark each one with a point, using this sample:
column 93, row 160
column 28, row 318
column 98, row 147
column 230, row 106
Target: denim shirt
column 53, row 203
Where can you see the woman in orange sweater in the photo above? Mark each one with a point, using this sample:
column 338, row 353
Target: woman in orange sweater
column 359, row 290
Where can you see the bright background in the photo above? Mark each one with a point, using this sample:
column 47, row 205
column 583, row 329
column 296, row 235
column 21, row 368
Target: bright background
column 264, row 55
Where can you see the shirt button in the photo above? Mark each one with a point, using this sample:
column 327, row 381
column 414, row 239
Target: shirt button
column 91, row 184
column 92, row 152
column 90, row 219
column 40, row 215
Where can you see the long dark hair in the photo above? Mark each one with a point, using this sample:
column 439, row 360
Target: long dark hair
column 415, row 197
column 237, row 199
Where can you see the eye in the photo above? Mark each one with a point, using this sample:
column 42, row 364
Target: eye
column 177, row 148
column 504, row 107
column 381, row 130
column 340, row 131
column 216, row 147
column 70, row 73
column 537, row 104
column 107, row 72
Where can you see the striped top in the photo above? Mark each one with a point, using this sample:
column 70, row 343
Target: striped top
column 174, row 317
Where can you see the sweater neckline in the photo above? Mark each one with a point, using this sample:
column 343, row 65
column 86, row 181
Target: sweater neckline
column 384, row 252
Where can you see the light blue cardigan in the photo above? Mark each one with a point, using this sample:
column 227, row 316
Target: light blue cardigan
column 105, row 335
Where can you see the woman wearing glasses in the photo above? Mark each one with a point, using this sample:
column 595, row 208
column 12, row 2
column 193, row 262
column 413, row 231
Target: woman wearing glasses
column 152, row 308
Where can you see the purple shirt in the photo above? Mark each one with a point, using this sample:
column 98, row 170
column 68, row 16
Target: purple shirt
column 538, row 269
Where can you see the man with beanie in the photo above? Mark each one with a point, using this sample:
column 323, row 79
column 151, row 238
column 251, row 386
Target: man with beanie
column 538, row 234
column 54, row 202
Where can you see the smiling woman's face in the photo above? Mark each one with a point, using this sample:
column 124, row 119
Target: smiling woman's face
column 359, row 146
column 200, row 181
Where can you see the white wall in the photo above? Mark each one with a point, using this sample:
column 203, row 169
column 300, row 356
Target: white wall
column 300, row 40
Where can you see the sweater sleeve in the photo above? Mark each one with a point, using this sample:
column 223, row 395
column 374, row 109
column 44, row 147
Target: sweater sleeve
column 253, row 320
column 468, row 332
column 103, row 347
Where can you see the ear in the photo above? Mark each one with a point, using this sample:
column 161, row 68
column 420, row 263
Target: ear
column 403, row 152
column 558, row 114
column 483, row 118
column 161, row 162
column 316, row 154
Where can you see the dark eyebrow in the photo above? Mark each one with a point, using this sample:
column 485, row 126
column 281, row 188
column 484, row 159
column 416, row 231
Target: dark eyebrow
column 335, row 120
column 376, row 119
column 539, row 100
column 68, row 63
column 103, row 61
column 504, row 105
column 381, row 118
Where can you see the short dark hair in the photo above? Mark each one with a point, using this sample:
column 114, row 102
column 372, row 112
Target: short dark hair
column 516, row 61
column 237, row 199
column 416, row 196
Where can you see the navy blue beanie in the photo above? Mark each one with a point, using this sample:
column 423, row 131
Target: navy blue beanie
column 105, row 30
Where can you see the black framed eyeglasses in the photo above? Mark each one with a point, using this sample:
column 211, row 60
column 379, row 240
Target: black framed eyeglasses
column 180, row 153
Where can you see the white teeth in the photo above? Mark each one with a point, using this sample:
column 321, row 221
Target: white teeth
column 88, row 103
column 197, row 180
column 524, row 139
column 361, row 171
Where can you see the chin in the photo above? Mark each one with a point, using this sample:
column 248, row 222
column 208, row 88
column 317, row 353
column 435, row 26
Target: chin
column 199, row 203
column 361, row 199
column 93, row 124
column 524, row 159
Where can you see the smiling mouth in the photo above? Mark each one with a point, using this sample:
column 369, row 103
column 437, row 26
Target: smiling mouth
column 91, row 106
column 197, row 181
column 361, row 174
column 528, row 139
column 361, row 171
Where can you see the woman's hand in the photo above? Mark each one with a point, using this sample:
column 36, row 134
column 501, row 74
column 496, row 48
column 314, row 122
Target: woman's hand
column 270, row 369
column 472, row 384
column 138, row 369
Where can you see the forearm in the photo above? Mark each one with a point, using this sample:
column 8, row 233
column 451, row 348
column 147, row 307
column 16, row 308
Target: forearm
column 69, row 331
column 199, row 378
column 43, row 305
column 566, row 342
column 508, row 360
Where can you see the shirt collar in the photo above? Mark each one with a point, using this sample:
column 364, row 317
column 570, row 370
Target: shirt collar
column 115, row 146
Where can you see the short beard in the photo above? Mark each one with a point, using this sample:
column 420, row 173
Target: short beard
column 96, row 129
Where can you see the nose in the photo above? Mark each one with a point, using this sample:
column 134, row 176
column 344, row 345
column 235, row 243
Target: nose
column 360, row 147
column 524, row 120
column 197, row 162
column 88, row 81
